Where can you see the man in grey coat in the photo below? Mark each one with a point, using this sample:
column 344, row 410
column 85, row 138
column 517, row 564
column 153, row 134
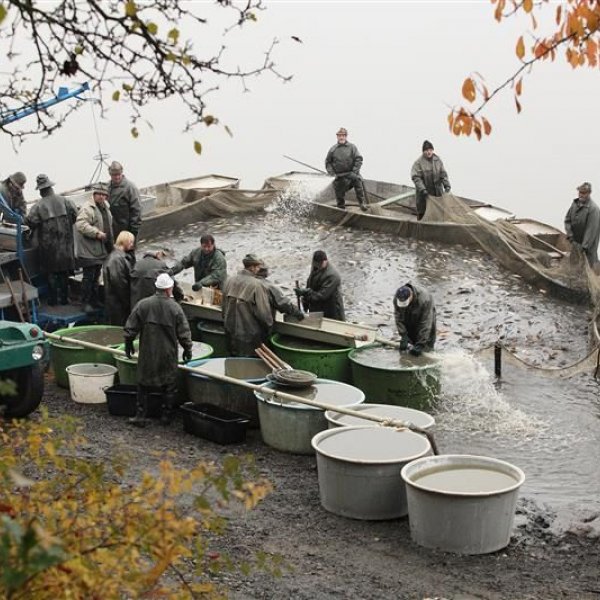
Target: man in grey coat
column 210, row 265
column 277, row 299
column 582, row 223
column 429, row 176
column 124, row 200
column 323, row 291
column 52, row 220
column 94, row 242
column 145, row 272
column 414, row 312
column 12, row 191
column 161, row 324
column 343, row 161
column 247, row 315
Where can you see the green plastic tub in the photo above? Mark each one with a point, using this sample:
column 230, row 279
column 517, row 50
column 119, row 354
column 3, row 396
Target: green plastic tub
column 325, row 360
column 387, row 377
column 213, row 334
column 127, row 367
column 63, row 355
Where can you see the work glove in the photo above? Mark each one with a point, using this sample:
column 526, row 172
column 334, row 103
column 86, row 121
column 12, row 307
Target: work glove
column 301, row 291
column 299, row 315
column 403, row 343
column 187, row 355
column 178, row 294
column 129, row 348
column 416, row 350
column 196, row 287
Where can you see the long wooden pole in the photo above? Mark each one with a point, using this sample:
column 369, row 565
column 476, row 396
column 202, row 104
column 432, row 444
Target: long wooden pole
column 263, row 389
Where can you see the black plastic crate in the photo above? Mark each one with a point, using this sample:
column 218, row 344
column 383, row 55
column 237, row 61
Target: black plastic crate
column 121, row 400
column 214, row 423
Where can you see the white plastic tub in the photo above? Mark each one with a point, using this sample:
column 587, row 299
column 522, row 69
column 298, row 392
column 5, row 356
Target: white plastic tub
column 87, row 381
column 461, row 503
column 391, row 411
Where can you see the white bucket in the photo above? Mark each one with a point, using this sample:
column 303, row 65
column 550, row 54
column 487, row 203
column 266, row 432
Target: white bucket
column 87, row 382
column 461, row 503
column 390, row 411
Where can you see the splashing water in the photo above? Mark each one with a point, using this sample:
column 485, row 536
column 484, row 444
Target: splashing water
column 296, row 199
column 470, row 401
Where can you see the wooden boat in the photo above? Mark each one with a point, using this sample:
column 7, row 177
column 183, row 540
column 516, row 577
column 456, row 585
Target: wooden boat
column 532, row 249
column 327, row 331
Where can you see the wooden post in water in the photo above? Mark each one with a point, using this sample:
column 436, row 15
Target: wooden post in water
column 498, row 360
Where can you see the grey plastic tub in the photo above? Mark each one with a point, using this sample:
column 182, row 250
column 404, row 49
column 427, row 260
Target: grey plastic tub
column 461, row 503
column 359, row 470
column 290, row 426
column 408, row 415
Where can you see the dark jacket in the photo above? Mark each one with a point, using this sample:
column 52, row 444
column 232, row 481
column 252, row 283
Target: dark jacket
column 160, row 323
column 279, row 301
column 52, row 220
column 210, row 270
column 582, row 224
column 143, row 275
column 247, row 315
column 343, row 158
column 124, row 200
column 417, row 320
column 325, row 293
column 429, row 175
column 116, row 275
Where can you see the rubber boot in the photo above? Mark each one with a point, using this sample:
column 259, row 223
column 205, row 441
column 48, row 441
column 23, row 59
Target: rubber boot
column 63, row 288
column 141, row 409
column 52, row 291
column 167, row 409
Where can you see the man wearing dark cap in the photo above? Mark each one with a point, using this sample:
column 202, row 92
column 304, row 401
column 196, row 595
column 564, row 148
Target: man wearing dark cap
column 12, row 192
column 343, row 161
column 94, row 243
column 209, row 262
column 414, row 311
column 246, row 310
column 582, row 223
column 323, row 291
column 52, row 219
column 429, row 176
column 124, row 200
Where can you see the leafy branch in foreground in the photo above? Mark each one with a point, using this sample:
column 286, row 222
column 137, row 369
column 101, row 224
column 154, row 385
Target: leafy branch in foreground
column 131, row 52
column 575, row 30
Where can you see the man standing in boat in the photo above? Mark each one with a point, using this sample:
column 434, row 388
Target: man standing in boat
column 277, row 299
column 414, row 311
column 323, row 291
column 124, row 200
column 429, row 176
column 161, row 324
column 94, row 242
column 582, row 223
column 12, row 191
column 247, row 315
column 210, row 265
column 343, row 162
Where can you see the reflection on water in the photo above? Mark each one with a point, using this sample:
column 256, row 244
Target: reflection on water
column 384, row 357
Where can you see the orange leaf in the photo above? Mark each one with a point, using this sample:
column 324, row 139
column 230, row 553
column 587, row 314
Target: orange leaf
column 521, row 48
column 451, row 119
column 527, row 5
column 558, row 14
column 591, row 51
column 518, row 104
column 519, row 87
column 468, row 89
column 486, row 94
column 487, row 126
column 477, row 129
column 534, row 22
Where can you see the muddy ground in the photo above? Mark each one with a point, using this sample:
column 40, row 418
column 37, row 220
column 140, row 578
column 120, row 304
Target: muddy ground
column 334, row 557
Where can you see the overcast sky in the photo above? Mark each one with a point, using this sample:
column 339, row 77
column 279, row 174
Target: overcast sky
column 387, row 71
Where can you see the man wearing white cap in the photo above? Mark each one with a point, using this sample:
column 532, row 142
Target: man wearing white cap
column 161, row 324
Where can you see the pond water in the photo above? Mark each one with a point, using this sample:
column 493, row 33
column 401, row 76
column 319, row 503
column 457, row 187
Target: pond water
column 550, row 428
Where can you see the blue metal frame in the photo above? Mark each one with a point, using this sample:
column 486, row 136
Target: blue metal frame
column 63, row 94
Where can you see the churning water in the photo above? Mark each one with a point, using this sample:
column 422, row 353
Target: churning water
column 548, row 427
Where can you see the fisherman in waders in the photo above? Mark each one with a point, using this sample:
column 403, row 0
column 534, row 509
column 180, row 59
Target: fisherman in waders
column 124, row 200
column 582, row 223
column 343, row 162
column 210, row 265
column 12, row 191
column 323, row 291
column 145, row 272
column 116, row 276
column 429, row 176
column 414, row 312
column 247, row 315
column 160, row 323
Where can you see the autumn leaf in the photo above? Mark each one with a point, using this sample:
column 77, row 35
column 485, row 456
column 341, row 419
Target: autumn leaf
column 130, row 9
column 527, row 5
column 134, row 132
column 468, row 89
column 451, row 119
column 520, row 48
column 558, row 14
column 173, row 34
column 518, row 104
column 116, row 95
column 197, row 147
column 519, row 87
column 152, row 28
column 2, row 13
column 487, row 126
